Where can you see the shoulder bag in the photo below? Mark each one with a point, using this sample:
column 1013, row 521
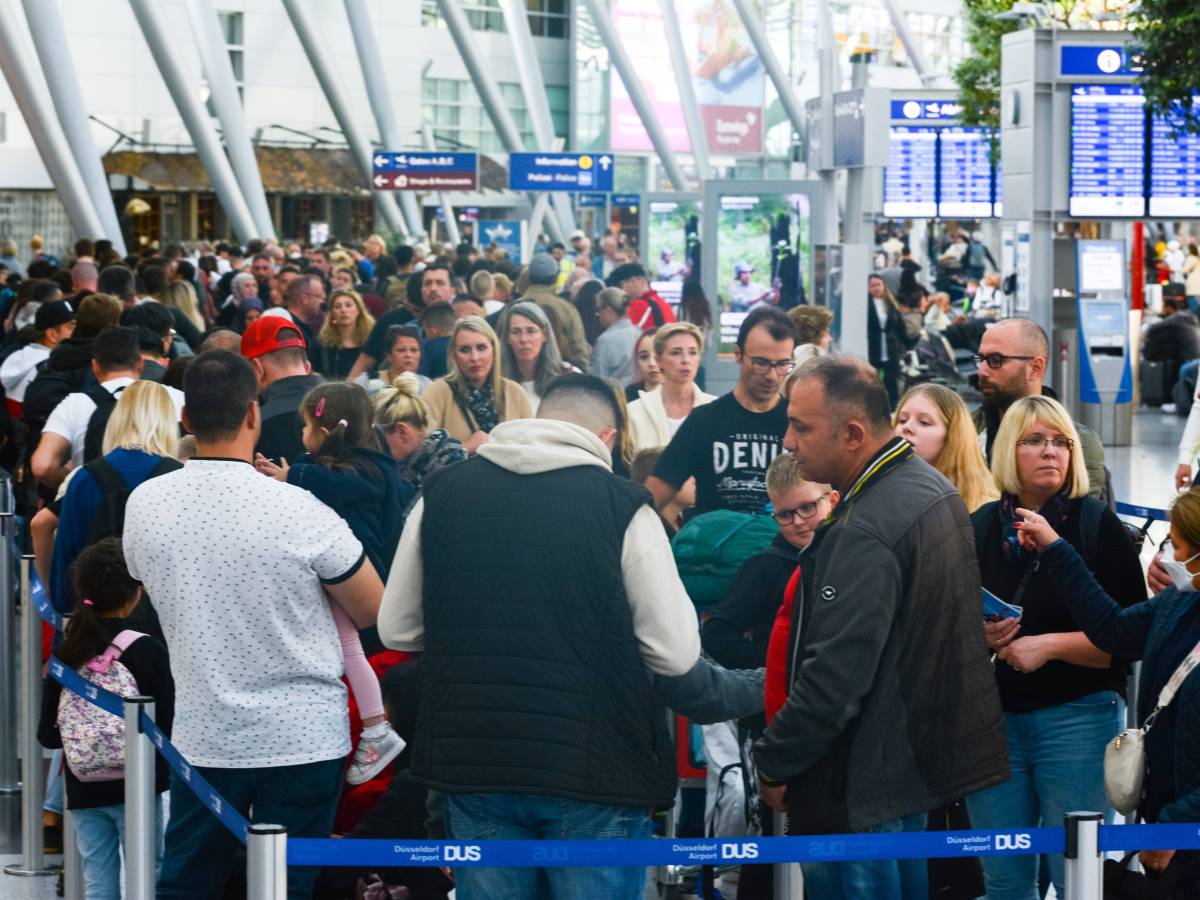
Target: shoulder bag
column 1125, row 755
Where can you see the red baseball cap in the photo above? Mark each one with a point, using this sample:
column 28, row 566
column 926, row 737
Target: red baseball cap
column 263, row 336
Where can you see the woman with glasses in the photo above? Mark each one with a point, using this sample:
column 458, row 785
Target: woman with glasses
column 474, row 397
column 530, row 349
column 1063, row 698
column 657, row 414
column 936, row 422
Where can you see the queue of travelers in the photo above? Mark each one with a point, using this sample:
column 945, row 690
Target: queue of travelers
column 471, row 589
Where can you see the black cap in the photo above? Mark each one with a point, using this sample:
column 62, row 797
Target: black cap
column 148, row 340
column 53, row 314
column 622, row 273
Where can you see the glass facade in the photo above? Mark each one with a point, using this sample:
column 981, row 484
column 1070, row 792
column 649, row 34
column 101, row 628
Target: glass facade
column 453, row 109
column 547, row 18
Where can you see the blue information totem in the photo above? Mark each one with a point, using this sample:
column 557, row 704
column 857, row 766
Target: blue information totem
column 506, row 234
column 560, row 172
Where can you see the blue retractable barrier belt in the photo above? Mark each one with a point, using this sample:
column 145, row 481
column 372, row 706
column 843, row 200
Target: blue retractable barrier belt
column 1141, row 512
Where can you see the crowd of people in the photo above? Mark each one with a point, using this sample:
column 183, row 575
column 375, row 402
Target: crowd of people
column 396, row 539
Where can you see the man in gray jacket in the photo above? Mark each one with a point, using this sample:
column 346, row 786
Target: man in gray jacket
column 892, row 708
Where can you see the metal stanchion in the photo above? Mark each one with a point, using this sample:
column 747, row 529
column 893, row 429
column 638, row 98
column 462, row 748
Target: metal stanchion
column 1083, row 878
column 266, row 862
column 72, row 862
column 9, row 778
column 141, row 830
column 786, row 877
column 32, row 860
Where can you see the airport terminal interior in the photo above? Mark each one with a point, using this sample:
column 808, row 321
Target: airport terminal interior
column 915, row 171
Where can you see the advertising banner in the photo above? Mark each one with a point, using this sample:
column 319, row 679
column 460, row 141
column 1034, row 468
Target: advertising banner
column 727, row 75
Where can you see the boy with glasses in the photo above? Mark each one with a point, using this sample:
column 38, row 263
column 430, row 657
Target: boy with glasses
column 727, row 445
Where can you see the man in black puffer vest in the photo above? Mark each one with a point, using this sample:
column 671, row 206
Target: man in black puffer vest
column 541, row 589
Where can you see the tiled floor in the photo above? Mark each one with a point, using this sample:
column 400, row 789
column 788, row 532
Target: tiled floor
column 1142, row 473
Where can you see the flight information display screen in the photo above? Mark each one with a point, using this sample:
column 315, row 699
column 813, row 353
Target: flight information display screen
column 1174, row 170
column 910, row 180
column 965, row 173
column 1108, row 151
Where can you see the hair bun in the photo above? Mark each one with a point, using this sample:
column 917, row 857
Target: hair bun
column 407, row 383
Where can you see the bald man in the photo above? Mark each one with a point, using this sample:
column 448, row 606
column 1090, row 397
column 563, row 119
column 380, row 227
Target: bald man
column 1012, row 364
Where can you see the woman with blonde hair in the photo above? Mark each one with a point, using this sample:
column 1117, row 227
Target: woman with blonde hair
column 140, row 441
column 1062, row 696
column 181, row 296
column 406, row 422
column 657, row 414
column 936, row 422
column 341, row 339
column 474, row 397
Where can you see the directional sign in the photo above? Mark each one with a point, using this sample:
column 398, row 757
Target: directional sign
column 591, row 201
column 626, row 199
column 408, row 171
column 560, row 171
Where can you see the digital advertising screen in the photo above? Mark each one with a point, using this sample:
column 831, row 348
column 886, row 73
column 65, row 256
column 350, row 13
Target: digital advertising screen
column 1108, row 151
column 727, row 75
column 910, row 179
column 1174, row 170
column 672, row 250
column 764, row 251
column 964, row 173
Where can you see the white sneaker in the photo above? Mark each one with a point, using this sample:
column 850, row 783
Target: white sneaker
column 373, row 755
column 1168, row 408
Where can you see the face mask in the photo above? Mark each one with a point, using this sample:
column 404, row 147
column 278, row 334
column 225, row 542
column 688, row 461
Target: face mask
column 1180, row 576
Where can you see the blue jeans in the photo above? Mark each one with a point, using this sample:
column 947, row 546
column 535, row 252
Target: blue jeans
column 884, row 879
column 201, row 853
column 100, row 836
column 1057, row 757
column 55, row 796
column 472, row 817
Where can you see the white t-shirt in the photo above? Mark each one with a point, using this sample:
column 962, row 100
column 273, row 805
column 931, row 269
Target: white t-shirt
column 21, row 368
column 673, row 424
column 235, row 563
column 71, row 417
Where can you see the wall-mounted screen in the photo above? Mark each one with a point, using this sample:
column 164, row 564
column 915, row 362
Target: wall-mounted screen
column 1108, row 151
column 672, row 249
column 1174, row 170
column 910, row 180
column 964, row 173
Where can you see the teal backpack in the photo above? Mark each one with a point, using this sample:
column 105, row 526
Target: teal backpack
column 711, row 548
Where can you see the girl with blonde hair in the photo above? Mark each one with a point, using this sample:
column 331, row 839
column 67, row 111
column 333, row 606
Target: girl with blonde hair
column 936, row 422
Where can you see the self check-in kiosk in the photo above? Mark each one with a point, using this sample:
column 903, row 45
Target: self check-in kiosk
column 1105, row 375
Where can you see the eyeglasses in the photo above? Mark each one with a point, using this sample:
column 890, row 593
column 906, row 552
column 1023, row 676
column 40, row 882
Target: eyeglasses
column 997, row 360
column 1038, row 442
column 760, row 366
column 803, row 511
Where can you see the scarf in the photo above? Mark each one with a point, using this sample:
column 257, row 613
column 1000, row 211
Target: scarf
column 1055, row 511
column 482, row 404
column 437, row 451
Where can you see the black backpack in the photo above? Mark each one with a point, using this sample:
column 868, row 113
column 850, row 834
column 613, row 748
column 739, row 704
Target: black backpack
column 46, row 391
column 106, row 402
column 109, row 520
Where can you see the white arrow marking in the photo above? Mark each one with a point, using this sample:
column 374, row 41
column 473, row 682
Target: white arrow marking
column 380, row 161
column 605, row 162
column 380, row 180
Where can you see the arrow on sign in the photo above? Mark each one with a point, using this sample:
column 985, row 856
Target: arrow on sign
column 605, row 162
column 381, row 181
column 380, row 161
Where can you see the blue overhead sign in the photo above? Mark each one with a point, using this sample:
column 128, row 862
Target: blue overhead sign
column 626, row 199
column 505, row 234
column 419, row 171
column 560, row 171
column 1092, row 61
column 913, row 110
column 591, row 201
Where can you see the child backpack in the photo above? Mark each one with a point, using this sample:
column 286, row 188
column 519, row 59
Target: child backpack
column 711, row 547
column 94, row 740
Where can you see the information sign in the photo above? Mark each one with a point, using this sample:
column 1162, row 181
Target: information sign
column 1108, row 151
column 410, row 171
column 964, row 173
column 560, row 171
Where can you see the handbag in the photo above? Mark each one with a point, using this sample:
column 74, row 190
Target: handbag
column 1122, row 883
column 1125, row 755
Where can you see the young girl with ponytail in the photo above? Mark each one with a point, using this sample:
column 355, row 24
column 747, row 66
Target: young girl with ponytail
column 346, row 470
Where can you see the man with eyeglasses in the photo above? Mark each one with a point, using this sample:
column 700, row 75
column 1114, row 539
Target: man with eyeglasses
column 1012, row 361
column 728, row 444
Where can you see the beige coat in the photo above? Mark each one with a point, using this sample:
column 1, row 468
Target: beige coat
column 648, row 418
column 448, row 413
